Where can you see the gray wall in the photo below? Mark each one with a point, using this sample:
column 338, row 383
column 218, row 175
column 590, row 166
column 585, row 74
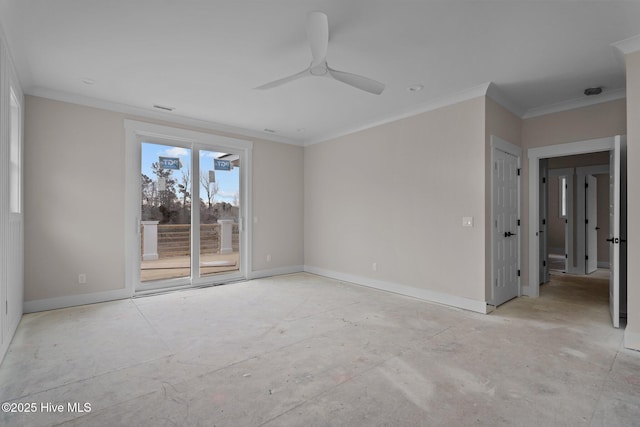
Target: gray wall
column 395, row 195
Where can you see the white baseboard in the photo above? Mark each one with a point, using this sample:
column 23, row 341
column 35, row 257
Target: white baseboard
column 92, row 298
column 632, row 340
column 74, row 300
column 410, row 291
column 259, row 274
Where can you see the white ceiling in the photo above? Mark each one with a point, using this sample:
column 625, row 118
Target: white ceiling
column 205, row 57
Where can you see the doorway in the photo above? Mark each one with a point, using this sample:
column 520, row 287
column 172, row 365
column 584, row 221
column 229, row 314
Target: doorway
column 613, row 145
column 188, row 195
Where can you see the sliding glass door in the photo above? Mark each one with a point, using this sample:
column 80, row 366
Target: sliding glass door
column 219, row 213
column 191, row 206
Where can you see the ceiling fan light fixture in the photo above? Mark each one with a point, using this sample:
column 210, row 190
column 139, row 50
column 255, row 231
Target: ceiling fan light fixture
column 318, row 38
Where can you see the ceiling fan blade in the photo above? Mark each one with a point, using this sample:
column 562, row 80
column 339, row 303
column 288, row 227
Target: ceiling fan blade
column 284, row 80
column 318, row 35
column 360, row 82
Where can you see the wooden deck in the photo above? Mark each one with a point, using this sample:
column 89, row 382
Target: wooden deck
column 179, row 266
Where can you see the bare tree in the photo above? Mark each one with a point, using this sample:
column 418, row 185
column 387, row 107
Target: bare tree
column 183, row 187
column 210, row 188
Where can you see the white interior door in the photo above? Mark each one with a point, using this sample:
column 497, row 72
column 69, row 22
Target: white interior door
column 591, row 224
column 506, row 227
column 614, row 233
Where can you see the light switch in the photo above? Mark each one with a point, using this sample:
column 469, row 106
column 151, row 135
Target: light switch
column 467, row 221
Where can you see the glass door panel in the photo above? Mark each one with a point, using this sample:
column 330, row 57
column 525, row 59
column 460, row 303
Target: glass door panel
column 219, row 213
column 165, row 212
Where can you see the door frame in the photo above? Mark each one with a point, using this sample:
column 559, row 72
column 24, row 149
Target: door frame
column 581, row 213
column 544, row 224
column 137, row 130
column 568, row 173
column 534, row 155
column 498, row 143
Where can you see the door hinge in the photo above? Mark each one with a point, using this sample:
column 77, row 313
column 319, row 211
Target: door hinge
column 566, row 221
column 586, row 185
column 518, row 273
column 566, row 256
column 518, row 171
column 586, row 221
column 518, row 223
column 544, row 221
column 544, row 263
column 544, row 180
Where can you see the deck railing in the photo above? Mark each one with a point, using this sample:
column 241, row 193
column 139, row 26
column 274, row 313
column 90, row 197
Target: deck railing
column 175, row 239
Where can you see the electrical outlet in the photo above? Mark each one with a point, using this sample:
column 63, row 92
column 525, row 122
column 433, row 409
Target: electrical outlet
column 82, row 278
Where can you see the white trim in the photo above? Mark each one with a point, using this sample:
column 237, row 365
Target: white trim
column 135, row 130
column 535, row 154
column 157, row 115
column 571, row 104
column 568, row 225
column 279, row 271
column 173, row 134
column 455, row 98
column 75, row 300
column 409, row 291
column 498, row 96
column 627, row 46
column 581, row 214
column 498, row 143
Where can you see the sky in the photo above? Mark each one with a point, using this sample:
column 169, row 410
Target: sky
column 228, row 181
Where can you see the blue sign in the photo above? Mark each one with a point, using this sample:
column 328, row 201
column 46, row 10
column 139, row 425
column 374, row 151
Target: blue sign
column 221, row 165
column 169, row 163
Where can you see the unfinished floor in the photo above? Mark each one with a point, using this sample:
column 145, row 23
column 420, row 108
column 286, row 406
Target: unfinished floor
column 301, row 350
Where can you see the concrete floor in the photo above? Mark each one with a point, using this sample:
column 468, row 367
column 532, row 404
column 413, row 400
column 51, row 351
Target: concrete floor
column 301, row 350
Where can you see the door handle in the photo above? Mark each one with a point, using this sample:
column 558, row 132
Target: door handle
column 509, row 234
column 597, row 228
column 610, row 240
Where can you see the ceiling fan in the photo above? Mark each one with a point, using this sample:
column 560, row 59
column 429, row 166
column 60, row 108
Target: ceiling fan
column 318, row 35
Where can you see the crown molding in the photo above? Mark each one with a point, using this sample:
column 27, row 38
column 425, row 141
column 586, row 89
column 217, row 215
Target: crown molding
column 157, row 115
column 627, row 46
column 465, row 95
column 611, row 95
column 494, row 92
